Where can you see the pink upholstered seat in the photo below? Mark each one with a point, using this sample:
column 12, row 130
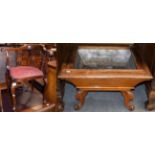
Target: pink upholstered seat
column 23, row 72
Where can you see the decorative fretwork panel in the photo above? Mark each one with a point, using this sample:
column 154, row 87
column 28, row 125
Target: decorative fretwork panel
column 29, row 58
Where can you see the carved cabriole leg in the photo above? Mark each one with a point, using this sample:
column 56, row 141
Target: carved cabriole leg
column 150, row 105
column 81, row 95
column 13, row 93
column 128, row 99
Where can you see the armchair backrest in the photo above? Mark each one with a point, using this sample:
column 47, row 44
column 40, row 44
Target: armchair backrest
column 26, row 55
column 30, row 55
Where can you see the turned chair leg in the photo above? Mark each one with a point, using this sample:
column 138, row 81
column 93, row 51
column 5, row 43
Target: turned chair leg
column 13, row 93
column 128, row 100
column 81, row 95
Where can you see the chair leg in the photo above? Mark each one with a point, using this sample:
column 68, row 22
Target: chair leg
column 81, row 95
column 8, row 80
column 128, row 99
column 44, row 100
column 13, row 93
column 32, row 87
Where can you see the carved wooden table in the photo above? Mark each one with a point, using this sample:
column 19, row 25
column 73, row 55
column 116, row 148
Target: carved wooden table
column 87, row 78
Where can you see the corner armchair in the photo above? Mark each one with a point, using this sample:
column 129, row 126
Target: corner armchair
column 28, row 68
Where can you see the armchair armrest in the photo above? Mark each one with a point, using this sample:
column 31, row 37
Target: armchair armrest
column 49, row 54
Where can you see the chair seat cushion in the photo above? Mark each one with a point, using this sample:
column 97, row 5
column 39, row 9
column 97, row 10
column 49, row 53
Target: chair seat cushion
column 23, row 72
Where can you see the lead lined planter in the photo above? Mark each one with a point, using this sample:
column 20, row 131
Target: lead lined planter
column 104, row 68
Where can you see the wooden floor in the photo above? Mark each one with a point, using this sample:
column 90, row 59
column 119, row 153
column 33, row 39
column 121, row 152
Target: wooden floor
column 95, row 102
